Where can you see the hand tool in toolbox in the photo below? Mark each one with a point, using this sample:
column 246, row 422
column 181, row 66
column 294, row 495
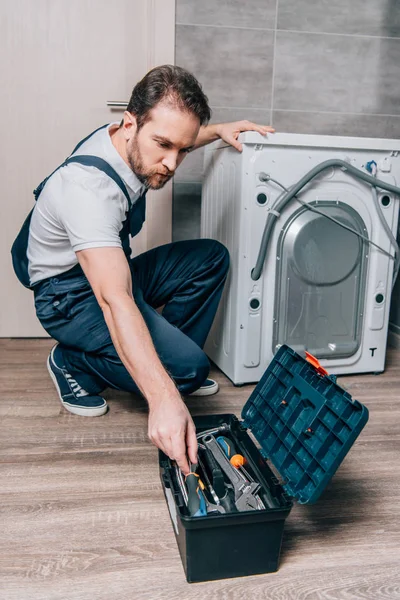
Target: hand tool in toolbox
column 196, row 500
column 181, row 483
column 224, row 428
column 244, row 491
column 198, row 503
column 208, row 483
column 225, row 494
column 223, row 491
column 216, row 474
column 237, row 460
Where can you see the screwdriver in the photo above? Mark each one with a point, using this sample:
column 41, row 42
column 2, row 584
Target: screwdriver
column 237, row 460
column 196, row 502
column 208, row 482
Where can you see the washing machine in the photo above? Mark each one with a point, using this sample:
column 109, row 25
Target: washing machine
column 320, row 277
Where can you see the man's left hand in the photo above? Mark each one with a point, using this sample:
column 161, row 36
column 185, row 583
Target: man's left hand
column 229, row 132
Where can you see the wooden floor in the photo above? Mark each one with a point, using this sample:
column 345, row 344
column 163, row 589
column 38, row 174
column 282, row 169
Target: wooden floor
column 83, row 515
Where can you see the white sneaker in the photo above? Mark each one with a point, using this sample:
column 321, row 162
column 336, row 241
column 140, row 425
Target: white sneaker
column 209, row 388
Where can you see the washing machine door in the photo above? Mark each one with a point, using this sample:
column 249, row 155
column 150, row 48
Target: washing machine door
column 320, row 282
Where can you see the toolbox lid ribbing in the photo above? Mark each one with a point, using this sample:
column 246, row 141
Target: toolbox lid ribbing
column 304, row 421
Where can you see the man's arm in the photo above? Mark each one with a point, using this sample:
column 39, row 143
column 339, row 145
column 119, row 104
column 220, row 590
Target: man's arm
column 229, row 132
column 170, row 425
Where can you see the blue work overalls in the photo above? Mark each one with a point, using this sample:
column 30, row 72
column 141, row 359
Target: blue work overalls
column 187, row 278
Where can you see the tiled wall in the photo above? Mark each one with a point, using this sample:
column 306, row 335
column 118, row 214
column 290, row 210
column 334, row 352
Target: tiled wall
column 303, row 66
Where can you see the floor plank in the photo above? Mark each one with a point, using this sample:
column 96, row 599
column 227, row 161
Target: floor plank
column 83, row 516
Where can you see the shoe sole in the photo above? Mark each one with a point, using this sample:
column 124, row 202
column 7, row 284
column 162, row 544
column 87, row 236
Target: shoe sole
column 208, row 391
column 81, row 411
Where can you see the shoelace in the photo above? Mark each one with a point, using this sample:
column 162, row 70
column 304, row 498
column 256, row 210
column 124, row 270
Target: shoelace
column 77, row 390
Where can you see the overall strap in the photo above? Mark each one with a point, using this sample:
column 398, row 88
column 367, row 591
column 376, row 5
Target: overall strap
column 102, row 165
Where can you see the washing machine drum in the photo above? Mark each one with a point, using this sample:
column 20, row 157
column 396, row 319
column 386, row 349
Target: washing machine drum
column 321, row 280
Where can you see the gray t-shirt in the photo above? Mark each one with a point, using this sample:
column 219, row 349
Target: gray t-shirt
column 80, row 207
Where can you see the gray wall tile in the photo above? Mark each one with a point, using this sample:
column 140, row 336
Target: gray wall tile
column 233, row 65
column 337, row 73
column 337, row 124
column 252, row 13
column 225, row 115
column 186, row 211
column 365, row 17
column 192, row 167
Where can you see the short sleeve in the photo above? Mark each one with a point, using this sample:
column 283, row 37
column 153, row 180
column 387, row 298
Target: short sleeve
column 92, row 212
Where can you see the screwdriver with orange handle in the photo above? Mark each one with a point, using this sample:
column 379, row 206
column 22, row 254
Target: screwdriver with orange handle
column 237, row 460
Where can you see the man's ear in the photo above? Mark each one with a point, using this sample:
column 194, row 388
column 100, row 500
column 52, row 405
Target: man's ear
column 129, row 126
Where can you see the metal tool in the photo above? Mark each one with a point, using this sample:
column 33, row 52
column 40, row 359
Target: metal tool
column 246, row 475
column 224, row 492
column 224, row 428
column 238, row 460
column 181, row 484
column 210, row 507
column 208, row 482
column 244, row 491
column 228, row 499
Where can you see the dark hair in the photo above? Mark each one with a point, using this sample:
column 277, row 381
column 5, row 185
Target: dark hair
column 172, row 84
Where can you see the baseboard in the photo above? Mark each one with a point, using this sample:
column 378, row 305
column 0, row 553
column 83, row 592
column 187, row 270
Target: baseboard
column 394, row 336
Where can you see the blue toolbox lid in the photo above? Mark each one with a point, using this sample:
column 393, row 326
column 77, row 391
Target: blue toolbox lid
column 304, row 421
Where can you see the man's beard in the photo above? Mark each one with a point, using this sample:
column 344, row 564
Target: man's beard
column 150, row 178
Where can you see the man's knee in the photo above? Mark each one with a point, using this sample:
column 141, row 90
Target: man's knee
column 223, row 253
column 196, row 374
column 219, row 254
column 202, row 370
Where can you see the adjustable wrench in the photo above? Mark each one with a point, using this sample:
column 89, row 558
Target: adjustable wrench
column 224, row 428
column 244, row 491
column 213, row 508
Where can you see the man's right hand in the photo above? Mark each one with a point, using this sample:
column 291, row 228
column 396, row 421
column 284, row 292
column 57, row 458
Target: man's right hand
column 171, row 429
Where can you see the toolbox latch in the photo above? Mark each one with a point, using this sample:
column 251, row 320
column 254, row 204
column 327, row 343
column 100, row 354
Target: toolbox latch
column 316, row 364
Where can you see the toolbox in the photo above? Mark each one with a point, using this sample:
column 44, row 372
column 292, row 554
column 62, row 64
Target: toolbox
column 297, row 427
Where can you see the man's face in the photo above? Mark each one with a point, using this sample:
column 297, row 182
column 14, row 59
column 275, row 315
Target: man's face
column 157, row 149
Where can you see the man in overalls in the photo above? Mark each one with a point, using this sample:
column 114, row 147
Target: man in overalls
column 100, row 304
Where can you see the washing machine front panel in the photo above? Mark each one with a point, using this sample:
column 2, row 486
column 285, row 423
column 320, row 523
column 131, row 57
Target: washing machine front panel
column 320, row 282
